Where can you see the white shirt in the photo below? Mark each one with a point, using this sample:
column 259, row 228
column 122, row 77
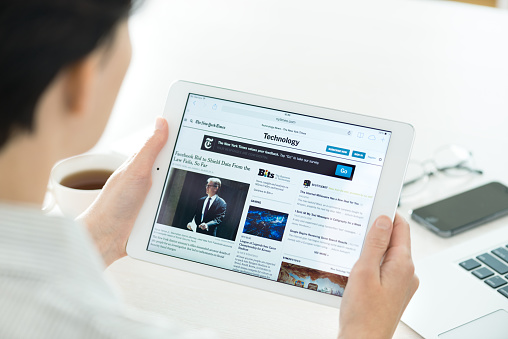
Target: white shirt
column 52, row 285
column 212, row 199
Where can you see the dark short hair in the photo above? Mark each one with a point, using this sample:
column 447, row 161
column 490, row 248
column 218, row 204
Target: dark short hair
column 38, row 38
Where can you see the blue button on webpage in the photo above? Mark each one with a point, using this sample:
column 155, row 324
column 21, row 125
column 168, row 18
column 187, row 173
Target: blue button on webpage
column 343, row 171
column 338, row 150
column 357, row 154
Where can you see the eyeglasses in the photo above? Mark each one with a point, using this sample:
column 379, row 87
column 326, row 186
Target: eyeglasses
column 451, row 160
column 211, row 186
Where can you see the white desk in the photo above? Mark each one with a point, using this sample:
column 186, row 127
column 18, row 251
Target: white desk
column 441, row 66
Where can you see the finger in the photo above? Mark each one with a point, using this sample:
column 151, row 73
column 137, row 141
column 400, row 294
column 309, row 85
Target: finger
column 400, row 243
column 150, row 150
column 376, row 243
column 401, row 235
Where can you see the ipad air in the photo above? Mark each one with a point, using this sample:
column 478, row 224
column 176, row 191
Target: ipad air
column 268, row 193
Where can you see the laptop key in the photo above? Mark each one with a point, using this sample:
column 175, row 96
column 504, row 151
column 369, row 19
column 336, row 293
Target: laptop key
column 502, row 253
column 493, row 263
column 495, row 281
column 470, row 264
column 504, row 291
column 483, row 273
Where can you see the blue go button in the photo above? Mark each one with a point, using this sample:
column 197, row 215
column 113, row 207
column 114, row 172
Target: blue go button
column 357, row 154
column 344, row 171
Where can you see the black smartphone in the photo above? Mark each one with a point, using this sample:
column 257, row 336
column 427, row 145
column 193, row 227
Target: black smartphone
column 464, row 210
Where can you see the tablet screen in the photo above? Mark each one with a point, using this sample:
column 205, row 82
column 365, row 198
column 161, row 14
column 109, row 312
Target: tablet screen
column 269, row 193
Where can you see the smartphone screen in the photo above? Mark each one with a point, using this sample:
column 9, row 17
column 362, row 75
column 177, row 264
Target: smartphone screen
column 465, row 210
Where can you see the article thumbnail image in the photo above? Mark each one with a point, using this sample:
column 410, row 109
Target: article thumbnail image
column 312, row 279
column 265, row 223
column 186, row 197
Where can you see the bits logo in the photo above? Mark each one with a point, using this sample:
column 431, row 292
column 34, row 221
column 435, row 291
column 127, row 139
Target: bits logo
column 266, row 174
column 306, row 183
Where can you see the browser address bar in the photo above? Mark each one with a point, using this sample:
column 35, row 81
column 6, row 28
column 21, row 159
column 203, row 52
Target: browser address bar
column 286, row 120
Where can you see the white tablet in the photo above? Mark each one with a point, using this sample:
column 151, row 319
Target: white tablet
column 268, row 193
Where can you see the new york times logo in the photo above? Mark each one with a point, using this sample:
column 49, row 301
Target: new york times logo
column 208, row 124
column 280, row 139
column 266, row 174
column 208, row 142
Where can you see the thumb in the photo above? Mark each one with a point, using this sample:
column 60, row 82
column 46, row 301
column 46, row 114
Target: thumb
column 376, row 243
column 148, row 153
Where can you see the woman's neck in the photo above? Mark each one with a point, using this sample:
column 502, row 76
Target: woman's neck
column 25, row 165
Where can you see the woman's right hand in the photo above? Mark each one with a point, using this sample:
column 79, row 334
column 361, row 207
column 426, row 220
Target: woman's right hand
column 380, row 284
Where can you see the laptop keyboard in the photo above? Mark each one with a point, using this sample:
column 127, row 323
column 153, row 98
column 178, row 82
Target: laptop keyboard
column 492, row 268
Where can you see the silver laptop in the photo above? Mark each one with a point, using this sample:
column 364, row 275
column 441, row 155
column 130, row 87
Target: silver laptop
column 463, row 291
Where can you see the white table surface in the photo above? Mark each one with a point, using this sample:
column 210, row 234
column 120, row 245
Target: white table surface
column 441, row 66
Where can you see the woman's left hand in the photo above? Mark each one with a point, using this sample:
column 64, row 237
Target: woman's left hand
column 112, row 215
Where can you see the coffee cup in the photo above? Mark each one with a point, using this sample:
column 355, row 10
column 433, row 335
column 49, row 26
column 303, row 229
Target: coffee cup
column 77, row 181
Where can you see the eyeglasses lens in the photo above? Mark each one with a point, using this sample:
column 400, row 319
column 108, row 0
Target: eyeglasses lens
column 415, row 179
column 453, row 160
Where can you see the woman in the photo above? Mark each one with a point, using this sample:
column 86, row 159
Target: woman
column 61, row 65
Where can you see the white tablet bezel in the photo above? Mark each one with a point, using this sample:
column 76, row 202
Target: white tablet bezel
column 390, row 183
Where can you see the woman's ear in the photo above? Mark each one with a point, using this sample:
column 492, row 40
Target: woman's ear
column 78, row 80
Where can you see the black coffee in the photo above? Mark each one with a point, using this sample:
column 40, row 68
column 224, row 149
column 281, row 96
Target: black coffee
column 87, row 180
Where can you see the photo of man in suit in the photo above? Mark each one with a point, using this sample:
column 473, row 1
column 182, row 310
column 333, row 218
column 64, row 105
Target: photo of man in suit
column 210, row 210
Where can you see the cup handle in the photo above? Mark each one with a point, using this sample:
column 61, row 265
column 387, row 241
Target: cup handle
column 49, row 199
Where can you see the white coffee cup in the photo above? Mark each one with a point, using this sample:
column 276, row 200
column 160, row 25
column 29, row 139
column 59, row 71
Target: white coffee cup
column 71, row 201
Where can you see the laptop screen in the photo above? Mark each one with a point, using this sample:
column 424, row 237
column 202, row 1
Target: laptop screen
column 273, row 194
